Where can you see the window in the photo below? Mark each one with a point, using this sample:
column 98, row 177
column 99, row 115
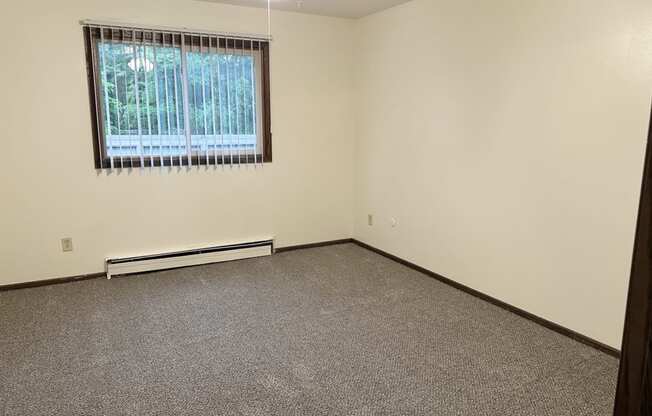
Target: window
column 164, row 98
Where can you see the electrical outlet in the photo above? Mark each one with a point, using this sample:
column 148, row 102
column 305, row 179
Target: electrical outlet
column 370, row 220
column 393, row 222
column 66, row 244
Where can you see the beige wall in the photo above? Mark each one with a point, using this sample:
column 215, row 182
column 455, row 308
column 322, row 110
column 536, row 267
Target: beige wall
column 507, row 139
column 50, row 189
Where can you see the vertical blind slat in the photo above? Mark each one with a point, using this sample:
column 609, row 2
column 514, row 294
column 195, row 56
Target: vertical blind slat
column 262, row 144
column 98, row 111
column 134, row 50
column 203, row 94
column 186, row 104
column 149, row 119
column 167, row 109
column 219, row 95
column 176, row 104
column 237, row 107
column 228, row 104
column 244, row 107
column 158, row 107
column 105, row 88
column 212, row 85
column 253, row 103
column 117, row 96
column 193, row 127
column 124, row 51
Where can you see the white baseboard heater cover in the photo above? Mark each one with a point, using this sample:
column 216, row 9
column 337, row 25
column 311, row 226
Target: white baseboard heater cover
column 193, row 257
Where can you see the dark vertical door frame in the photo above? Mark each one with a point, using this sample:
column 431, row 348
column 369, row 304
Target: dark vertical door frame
column 632, row 398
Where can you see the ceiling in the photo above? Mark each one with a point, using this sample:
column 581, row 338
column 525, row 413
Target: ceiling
column 339, row 8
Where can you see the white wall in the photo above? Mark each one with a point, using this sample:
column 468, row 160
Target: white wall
column 50, row 190
column 507, row 139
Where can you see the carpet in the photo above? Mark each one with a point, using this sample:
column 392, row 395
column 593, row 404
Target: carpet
column 337, row 330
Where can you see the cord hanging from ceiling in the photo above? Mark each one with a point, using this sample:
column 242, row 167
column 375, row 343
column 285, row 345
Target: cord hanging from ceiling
column 269, row 19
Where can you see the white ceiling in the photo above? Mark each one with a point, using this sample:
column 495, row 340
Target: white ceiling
column 340, row 8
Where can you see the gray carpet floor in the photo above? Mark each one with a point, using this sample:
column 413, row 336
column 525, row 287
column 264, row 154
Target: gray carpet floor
column 336, row 330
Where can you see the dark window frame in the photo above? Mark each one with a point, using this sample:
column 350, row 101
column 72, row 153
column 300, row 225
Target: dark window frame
column 92, row 38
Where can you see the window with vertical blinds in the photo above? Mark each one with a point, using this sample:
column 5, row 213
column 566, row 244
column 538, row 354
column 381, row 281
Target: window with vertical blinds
column 172, row 98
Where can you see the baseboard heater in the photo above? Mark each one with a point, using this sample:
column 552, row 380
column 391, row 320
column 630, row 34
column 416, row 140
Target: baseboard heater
column 185, row 258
